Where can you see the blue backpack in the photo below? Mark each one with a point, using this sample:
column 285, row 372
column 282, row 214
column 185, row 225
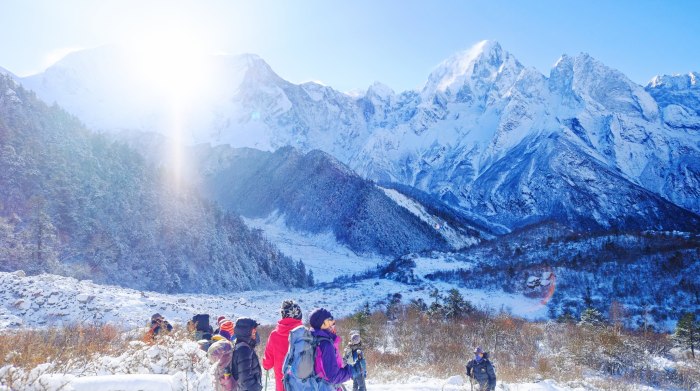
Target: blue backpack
column 300, row 363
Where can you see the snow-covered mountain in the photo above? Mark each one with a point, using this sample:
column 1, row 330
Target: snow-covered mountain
column 482, row 124
column 315, row 193
column 678, row 98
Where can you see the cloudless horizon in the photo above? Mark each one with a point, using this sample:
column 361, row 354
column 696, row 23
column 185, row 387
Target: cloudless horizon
column 350, row 45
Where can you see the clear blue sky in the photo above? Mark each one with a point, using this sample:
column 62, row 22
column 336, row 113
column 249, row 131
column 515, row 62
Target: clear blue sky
column 350, row 44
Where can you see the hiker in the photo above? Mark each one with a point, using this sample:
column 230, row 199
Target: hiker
column 157, row 327
column 355, row 357
column 481, row 370
column 245, row 366
column 218, row 322
column 220, row 354
column 199, row 327
column 226, row 329
column 329, row 363
column 278, row 342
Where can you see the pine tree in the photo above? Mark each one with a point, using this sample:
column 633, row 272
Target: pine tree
column 687, row 334
column 393, row 305
column 362, row 321
column 419, row 304
column 456, row 306
column 591, row 317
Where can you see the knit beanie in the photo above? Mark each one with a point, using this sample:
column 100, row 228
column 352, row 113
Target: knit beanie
column 290, row 309
column 226, row 329
column 318, row 316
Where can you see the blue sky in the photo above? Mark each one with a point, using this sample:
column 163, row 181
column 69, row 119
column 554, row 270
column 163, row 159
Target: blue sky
column 351, row 44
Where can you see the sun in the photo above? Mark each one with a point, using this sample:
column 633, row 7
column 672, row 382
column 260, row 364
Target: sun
column 174, row 63
column 171, row 61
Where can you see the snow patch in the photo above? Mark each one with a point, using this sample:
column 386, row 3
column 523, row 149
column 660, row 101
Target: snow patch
column 321, row 253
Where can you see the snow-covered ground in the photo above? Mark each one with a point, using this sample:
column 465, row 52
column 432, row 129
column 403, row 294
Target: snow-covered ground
column 50, row 300
column 445, row 230
column 37, row 301
column 152, row 382
column 321, row 253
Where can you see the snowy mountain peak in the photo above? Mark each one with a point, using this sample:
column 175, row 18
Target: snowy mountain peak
column 381, row 91
column 678, row 96
column 689, row 80
column 91, row 59
column 602, row 87
column 253, row 67
column 484, row 61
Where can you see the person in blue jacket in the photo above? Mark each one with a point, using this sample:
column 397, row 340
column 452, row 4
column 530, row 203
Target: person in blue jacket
column 481, row 370
column 355, row 356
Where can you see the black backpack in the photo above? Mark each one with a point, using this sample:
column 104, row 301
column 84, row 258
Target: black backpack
column 202, row 328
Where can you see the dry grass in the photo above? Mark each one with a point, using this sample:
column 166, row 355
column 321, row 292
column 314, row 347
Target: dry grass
column 416, row 344
column 77, row 343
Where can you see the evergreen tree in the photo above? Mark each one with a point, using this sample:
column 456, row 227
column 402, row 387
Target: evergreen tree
column 566, row 317
column 419, row 304
column 687, row 333
column 591, row 317
column 362, row 321
column 455, row 305
column 393, row 305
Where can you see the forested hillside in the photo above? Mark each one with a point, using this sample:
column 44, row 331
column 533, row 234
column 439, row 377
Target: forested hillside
column 75, row 203
column 316, row 193
column 636, row 279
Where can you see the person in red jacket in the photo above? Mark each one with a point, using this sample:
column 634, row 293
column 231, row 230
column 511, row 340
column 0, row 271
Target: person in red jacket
column 278, row 343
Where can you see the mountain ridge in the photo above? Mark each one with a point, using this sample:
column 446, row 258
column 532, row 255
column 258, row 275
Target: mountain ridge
column 474, row 110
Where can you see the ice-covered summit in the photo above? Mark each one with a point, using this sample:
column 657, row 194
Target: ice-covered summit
column 600, row 87
column 678, row 97
column 480, row 110
column 471, row 73
column 675, row 82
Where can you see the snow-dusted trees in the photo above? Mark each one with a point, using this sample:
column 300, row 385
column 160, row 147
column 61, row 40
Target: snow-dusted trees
column 456, row 306
column 687, row 334
column 316, row 193
column 13, row 253
column 77, row 203
column 592, row 317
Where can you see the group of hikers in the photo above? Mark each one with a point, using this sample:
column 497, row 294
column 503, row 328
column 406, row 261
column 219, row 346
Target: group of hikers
column 302, row 358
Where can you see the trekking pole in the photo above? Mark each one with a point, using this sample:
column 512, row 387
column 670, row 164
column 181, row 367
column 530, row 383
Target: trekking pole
column 267, row 375
column 471, row 383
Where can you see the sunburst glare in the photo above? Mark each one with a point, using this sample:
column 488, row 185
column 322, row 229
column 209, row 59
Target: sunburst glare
column 176, row 63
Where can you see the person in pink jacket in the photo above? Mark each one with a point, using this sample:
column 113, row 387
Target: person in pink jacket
column 278, row 343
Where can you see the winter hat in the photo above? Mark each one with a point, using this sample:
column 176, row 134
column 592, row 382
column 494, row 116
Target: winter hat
column 478, row 350
column 226, row 329
column 244, row 327
column 156, row 317
column 318, row 316
column 290, row 309
column 355, row 339
column 219, row 320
